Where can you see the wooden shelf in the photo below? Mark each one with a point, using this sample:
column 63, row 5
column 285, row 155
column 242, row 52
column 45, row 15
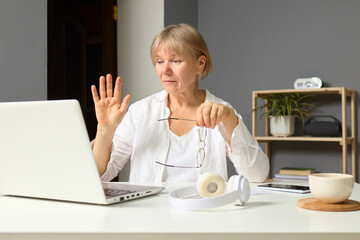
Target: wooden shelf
column 344, row 138
column 304, row 139
column 331, row 90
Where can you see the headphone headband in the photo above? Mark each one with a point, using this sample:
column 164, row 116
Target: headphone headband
column 177, row 199
column 238, row 188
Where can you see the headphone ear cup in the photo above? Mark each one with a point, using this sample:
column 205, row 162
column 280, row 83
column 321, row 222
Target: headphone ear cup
column 240, row 184
column 244, row 190
column 210, row 185
column 231, row 186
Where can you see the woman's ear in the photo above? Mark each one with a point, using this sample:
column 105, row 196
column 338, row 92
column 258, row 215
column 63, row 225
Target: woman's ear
column 201, row 63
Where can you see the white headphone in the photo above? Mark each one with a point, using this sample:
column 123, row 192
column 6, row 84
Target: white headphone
column 211, row 187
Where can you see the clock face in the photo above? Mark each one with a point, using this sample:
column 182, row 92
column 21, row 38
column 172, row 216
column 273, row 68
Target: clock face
column 313, row 82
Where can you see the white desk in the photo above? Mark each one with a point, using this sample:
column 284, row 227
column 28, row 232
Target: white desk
column 274, row 215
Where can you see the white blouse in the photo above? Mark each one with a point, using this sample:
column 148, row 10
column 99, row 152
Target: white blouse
column 143, row 140
column 182, row 153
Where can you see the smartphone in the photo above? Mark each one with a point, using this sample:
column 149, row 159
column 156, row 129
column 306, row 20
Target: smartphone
column 284, row 187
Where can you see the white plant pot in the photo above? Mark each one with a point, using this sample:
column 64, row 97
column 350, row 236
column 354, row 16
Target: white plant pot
column 282, row 126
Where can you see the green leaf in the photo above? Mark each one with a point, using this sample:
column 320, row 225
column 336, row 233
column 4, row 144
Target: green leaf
column 285, row 105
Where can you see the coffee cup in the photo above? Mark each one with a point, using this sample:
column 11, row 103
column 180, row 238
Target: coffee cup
column 331, row 187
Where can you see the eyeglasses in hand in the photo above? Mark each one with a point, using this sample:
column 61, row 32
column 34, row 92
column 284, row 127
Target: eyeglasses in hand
column 200, row 156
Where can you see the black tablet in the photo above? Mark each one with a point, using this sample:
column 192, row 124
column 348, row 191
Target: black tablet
column 284, row 187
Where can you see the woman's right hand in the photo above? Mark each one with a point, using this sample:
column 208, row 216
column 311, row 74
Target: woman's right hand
column 108, row 106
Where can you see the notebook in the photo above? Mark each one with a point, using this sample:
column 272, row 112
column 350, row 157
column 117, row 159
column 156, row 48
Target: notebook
column 45, row 152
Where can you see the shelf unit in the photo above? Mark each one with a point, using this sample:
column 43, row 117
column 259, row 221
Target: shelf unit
column 344, row 140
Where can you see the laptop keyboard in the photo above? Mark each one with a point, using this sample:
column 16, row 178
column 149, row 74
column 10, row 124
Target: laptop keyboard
column 116, row 192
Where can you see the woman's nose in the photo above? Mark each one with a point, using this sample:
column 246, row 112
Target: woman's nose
column 167, row 68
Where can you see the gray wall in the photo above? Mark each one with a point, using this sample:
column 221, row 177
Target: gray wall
column 23, row 50
column 260, row 44
column 184, row 11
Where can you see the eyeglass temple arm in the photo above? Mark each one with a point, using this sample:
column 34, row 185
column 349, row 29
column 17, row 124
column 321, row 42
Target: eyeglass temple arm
column 174, row 166
column 172, row 118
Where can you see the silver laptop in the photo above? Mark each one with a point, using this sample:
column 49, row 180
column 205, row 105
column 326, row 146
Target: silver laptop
column 45, row 153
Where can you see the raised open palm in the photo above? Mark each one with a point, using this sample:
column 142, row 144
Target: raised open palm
column 108, row 106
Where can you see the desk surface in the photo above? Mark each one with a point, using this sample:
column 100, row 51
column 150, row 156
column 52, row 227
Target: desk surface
column 270, row 215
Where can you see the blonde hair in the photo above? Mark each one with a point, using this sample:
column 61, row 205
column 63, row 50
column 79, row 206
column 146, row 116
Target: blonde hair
column 180, row 37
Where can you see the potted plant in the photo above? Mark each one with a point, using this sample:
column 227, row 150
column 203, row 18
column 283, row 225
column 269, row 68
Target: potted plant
column 282, row 110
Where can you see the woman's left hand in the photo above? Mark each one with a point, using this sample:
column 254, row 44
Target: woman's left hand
column 210, row 114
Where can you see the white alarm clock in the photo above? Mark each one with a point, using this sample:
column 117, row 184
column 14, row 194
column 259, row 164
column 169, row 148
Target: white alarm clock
column 313, row 82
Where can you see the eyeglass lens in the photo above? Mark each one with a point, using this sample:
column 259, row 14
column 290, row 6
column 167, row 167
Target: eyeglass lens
column 202, row 133
column 200, row 157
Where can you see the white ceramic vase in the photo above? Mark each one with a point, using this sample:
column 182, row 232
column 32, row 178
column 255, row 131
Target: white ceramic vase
column 282, row 126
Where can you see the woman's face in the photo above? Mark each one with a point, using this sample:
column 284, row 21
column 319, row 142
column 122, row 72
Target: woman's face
column 178, row 74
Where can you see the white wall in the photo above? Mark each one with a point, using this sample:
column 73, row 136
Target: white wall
column 138, row 23
column 23, row 50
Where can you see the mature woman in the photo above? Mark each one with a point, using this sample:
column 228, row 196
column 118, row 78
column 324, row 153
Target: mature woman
column 180, row 132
